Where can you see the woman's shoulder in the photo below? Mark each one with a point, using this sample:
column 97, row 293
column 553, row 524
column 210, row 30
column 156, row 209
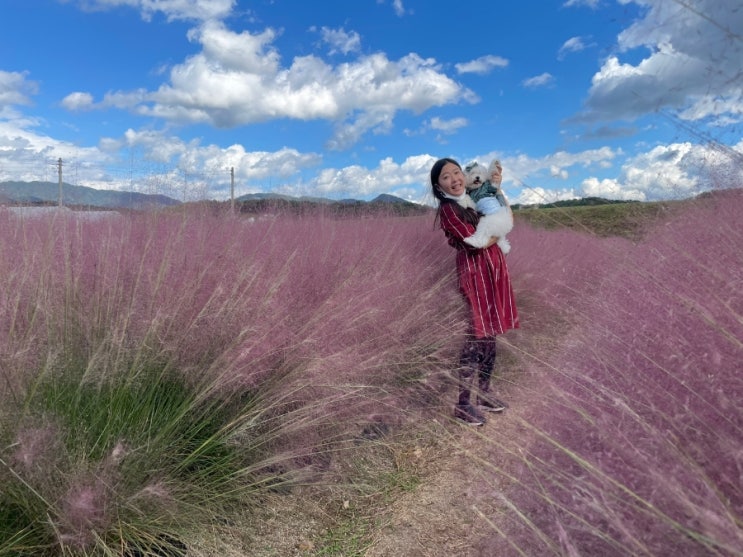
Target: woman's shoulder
column 450, row 214
column 452, row 210
column 448, row 207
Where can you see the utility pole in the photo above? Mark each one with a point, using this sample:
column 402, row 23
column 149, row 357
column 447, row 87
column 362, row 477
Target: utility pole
column 232, row 189
column 59, row 171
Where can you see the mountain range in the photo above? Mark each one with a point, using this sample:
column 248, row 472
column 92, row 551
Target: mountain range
column 47, row 193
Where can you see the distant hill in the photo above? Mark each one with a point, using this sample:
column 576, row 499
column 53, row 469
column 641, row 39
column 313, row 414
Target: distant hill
column 382, row 198
column 263, row 196
column 259, row 203
column 47, row 193
column 580, row 202
column 387, row 198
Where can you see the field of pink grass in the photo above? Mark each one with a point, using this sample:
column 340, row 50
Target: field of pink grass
column 286, row 337
column 277, row 342
column 633, row 443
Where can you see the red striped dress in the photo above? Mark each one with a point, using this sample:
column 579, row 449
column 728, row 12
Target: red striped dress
column 483, row 278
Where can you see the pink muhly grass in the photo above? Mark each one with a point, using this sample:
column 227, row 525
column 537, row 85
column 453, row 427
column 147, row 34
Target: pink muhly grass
column 36, row 449
column 198, row 292
column 636, row 442
column 361, row 322
column 84, row 511
column 561, row 266
column 316, row 326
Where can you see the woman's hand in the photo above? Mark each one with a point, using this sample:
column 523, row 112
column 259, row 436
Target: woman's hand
column 493, row 240
column 496, row 175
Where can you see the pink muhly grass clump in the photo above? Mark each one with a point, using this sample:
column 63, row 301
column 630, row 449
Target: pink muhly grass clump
column 223, row 298
column 47, row 494
column 367, row 312
column 83, row 512
column 636, row 444
column 36, row 449
column 562, row 267
column 295, row 332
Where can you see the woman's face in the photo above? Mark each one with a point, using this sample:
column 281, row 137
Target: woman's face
column 451, row 180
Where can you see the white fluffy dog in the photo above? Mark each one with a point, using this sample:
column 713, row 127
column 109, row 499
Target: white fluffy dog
column 483, row 186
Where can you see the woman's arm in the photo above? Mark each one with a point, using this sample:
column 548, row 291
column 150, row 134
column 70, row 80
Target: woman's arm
column 496, row 178
column 459, row 230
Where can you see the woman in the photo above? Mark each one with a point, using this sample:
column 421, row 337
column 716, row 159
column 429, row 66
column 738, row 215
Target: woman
column 485, row 285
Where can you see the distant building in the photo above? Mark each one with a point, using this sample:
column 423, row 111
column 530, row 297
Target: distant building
column 51, row 211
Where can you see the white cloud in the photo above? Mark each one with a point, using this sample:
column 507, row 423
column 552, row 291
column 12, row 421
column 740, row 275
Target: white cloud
column 189, row 170
column 557, row 172
column 533, row 196
column 573, row 44
column 147, row 161
column 593, row 4
column 15, row 89
column 723, row 111
column 447, row 126
column 624, row 91
column 522, row 167
column 78, row 101
column 439, row 126
column 213, row 160
column 693, row 65
column 201, row 10
column 388, row 175
column 522, row 174
column 541, row 80
column 664, row 172
column 610, row 189
column 397, row 6
column 25, row 154
column 678, row 170
column 482, row 65
column 341, row 40
column 237, row 79
column 28, row 156
column 226, row 52
column 675, row 171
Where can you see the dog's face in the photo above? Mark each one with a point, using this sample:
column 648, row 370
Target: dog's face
column 476, row 176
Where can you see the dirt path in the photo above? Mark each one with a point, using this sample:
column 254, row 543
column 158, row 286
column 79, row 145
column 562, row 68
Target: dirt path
column 440, row 518
column 456, row 510
column 447, row 514
column 453, row 511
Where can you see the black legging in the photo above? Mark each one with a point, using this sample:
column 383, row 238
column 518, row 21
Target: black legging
column 477, row 359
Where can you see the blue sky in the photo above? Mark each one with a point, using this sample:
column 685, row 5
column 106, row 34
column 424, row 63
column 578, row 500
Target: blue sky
column 624, row 99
